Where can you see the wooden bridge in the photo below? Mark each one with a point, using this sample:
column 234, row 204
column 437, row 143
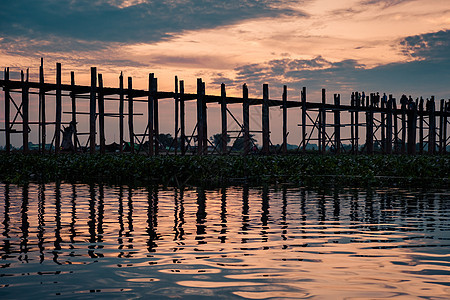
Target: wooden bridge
column 410, row 127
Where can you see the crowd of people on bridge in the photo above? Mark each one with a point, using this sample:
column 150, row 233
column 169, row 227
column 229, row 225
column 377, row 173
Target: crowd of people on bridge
column 407, row 102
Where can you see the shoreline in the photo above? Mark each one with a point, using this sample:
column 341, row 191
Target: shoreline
column 298, row 170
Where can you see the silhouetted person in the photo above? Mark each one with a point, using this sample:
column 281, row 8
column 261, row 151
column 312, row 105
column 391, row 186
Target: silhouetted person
column 428, row 105
column 384, row 99
column 410, row 102
column 67, row 144
column 376, row 99
column 404, row 101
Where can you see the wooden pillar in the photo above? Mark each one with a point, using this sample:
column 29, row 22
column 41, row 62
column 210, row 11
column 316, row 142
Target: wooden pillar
column 121, row 108
column 421, row 141
column 284, row 146
column 369, row 127
column 176, row 100
column 265, row 119
column 73, row 99
column 205, row 121
column 42, row 117
column 383, row 126
column 403, row 149
column 352, row 120
column 319, row 129
column 101, row 114
column 388, row 142
column 150, row 113
column 39, row 118
column 156, row 114
column 246, row 118
column 92, row 109
column 199, row 117
column 444, row 128
column 58, row 109
column 7, row 112
column 412, row 128
column 323, row 123
column 25, row 111
column 395, row 125
column 356, row 125
column 303, row 99
column 223, row 112
column 130, row 114
column 432, row 127
column 337, row 123
column 441, row 128
column 182, row 119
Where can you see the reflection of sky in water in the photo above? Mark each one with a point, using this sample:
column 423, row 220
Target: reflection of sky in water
column 74, row 240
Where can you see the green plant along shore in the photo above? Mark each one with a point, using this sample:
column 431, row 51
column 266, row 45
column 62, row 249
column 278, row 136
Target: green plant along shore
column 215, row 170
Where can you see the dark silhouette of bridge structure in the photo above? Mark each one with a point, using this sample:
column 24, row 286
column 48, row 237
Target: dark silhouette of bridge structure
column 377, row 123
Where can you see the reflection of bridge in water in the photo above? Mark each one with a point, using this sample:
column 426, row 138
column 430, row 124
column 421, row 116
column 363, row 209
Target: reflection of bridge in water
column 73, row 223
column 413, row 126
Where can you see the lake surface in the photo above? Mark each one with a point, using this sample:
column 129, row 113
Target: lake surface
column 86, row 241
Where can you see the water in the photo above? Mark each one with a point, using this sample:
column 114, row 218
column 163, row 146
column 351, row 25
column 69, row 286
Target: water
column 81, row 241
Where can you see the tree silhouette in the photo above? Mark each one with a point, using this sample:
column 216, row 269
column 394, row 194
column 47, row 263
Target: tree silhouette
column 238, row 144
column 165, row 139
column 217, row 140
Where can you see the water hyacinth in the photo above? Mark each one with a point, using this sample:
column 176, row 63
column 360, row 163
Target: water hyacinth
column 217, row 170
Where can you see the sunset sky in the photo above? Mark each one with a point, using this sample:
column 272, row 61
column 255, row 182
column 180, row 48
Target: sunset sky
column 392, row 46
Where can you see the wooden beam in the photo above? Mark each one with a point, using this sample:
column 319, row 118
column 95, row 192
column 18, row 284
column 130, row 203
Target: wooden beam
column 199, row 117
column 7, row 112
column 223, row 113
column 205, row 121
column 121, row 108
column 246, row 119
column 432, row 126
column 130, row 114
column 444, row 128
column 383, row 127
column 352, row 121
column 74, row 111
column 395, row 125
column 441, row 129
column 58, row 114
column 322, row 124
column 92, row 109
column 403, row 145
column 284, row 97
column 421, row 140
column 356, row 125
column 156, row 114
column 337, row 124
column 389, row 126
column 182, row 119
column 25, row 111
column 303, row 100
column 369, row 127
column 101, row 115
column 176, row 102
column 42, row 119
column 150, row 116
column 265, row 119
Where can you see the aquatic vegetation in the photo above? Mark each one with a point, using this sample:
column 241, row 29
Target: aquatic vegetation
column 213, row 170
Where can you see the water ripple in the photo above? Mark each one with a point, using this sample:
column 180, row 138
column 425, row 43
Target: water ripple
column 92, row 240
